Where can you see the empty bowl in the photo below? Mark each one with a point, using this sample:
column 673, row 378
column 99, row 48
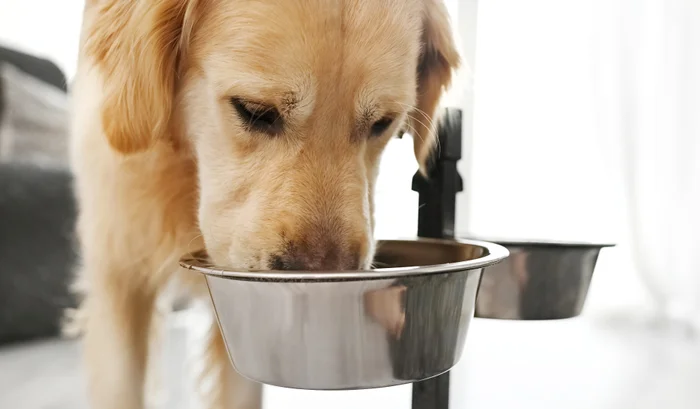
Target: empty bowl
column 403, row 322
column 539, row 281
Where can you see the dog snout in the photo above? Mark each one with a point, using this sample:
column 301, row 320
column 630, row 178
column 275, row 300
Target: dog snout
column 319, row 254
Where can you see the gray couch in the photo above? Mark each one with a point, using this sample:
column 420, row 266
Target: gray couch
column 37, row 214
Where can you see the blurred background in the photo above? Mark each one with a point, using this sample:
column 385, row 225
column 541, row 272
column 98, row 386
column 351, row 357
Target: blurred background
column 581, row 123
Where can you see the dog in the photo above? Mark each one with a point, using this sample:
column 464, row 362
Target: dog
column 251, row 128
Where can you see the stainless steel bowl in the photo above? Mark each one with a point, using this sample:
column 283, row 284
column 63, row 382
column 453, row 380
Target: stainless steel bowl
column 404, row 322
column 539, row 281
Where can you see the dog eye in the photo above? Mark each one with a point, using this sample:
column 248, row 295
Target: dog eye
column 258, row 117
column 381, row 126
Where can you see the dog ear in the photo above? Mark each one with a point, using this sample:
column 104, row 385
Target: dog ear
column 138, row 45
column 439, row 57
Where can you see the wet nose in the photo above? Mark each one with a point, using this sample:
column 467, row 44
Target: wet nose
column 322, row 256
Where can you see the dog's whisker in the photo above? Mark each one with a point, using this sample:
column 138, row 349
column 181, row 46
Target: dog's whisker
column 411, row 130
column 413, row 108
column 415, row 132
column 379, row 264
column 431, row 124
column 189, row 245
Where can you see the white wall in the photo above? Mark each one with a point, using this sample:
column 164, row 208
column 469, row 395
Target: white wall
column 535, row 167
column 47, row 28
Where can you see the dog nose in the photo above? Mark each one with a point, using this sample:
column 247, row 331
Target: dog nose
column 321, row 257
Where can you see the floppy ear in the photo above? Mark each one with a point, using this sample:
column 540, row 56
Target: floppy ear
column 137, row 44
column 439, row 57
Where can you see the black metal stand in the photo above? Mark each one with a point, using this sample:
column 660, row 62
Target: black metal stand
column 436, row 219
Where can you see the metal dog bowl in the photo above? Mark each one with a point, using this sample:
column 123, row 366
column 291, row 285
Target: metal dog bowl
column 404, row 322
column 539, row 281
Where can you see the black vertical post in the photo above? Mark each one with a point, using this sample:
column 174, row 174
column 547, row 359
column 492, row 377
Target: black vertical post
column 436, row 219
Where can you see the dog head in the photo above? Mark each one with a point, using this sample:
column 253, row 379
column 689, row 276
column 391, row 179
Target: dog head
column 286, row 105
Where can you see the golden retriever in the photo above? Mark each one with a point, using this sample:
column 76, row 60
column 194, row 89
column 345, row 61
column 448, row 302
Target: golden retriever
column 251, row 128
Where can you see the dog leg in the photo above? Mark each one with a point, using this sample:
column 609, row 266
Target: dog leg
column 156, row 393
column 117, row 324
column 221, row 385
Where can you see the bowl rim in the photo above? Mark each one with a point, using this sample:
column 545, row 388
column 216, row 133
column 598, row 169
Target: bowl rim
column 539, row 242
column 495, row 253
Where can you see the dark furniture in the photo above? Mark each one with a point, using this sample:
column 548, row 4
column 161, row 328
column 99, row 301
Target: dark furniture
column 37, row 215
column 37, row 67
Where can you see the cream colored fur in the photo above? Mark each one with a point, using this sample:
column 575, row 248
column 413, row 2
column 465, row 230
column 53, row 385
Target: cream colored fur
column 164, row 164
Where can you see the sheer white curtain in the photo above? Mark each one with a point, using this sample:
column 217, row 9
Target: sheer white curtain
column 648, row 83
column 586, row 127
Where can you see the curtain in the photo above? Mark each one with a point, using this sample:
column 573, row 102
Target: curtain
column 648, row 81
column 586, row 127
